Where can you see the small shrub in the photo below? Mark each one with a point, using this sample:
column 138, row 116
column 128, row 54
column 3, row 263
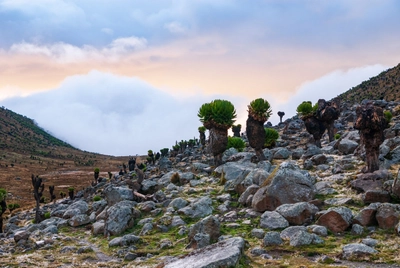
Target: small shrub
column 237, row 143
column 306, row 108
column 12, row 206
column 63, row 194
column 96, row 170
column 47, row 215
column 271, row 136
column 71, row 189
column 3, row 194
column 337, row 136
column 388, row 116
column 96, row 198
column 175, row 178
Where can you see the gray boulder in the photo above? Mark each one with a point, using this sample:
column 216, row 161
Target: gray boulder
column 209, row 225
column 114, row 194
column 281, row 153
column 357, row 251
column 273, row 220
column 226, row 253
column 98, row 227
column 79, row 220
column 198, row 209
column 272, row 239
column 311, row 151
column 301, row 238
column 347, row 146
column 298, row 213
column 257, row 176
column 178, row 203
column 125, row 240
column 289, row 185
column 233, row 171
column 21, row 235
column 251, row 190
column 79, row 207
column 120, row 217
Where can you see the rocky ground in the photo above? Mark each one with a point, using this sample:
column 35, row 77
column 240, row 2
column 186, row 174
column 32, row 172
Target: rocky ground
column 302, row 207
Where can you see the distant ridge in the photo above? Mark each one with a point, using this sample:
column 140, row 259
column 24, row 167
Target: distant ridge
column 19, row 133
column 385, row 85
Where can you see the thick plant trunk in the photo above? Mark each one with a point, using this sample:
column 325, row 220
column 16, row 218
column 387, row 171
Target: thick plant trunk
column 316, row 128
column 218, row 143
column 256, row 135
column 371, row 123
column 38, row 188
column 3, row 206
column 331, row 131
column 202, row 138
column 328, row 112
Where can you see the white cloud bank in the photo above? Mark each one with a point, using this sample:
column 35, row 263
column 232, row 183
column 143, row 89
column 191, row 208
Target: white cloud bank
column 110, row 114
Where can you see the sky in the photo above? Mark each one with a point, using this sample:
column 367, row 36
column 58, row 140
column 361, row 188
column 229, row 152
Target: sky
column 124, row 77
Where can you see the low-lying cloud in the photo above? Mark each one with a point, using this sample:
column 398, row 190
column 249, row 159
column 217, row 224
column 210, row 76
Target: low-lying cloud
column 110, row 114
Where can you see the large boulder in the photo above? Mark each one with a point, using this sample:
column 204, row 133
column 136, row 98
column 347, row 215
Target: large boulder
column 79, row 207
column 388, row 215
column 120, row 217
column 79, row 220
column 336, row 219
column 357, row 251
column 257, row 176
column 299, row 213
column 226, row 253
column 234, row 174
column 347, row 146
column 114, row 194
column 370, row 181
column 234, row 171
column 251, row 190
column 366, row 216
column 198, row 209
column 273, row 220
column 289, row 185
column 209, row 226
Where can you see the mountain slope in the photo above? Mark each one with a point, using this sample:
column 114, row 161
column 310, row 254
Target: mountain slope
column 385, row 86
column 19, row 133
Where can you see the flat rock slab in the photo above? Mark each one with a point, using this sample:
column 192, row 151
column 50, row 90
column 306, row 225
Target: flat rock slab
column 226, row 253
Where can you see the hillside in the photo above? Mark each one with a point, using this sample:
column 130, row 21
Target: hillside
column 385, row 86
column 27, row 149
column 19, row 133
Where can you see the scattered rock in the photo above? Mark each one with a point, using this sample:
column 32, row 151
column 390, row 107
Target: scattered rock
column 226, row 253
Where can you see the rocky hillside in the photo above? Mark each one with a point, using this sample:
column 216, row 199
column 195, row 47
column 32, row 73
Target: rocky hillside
column 302, row 207
column 385, row 86
column 28, row 149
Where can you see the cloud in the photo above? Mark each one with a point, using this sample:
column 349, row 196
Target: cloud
column 326, row 87
column 110, row 114
column 107, row 31
column 67, row 53
column 175, row 27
